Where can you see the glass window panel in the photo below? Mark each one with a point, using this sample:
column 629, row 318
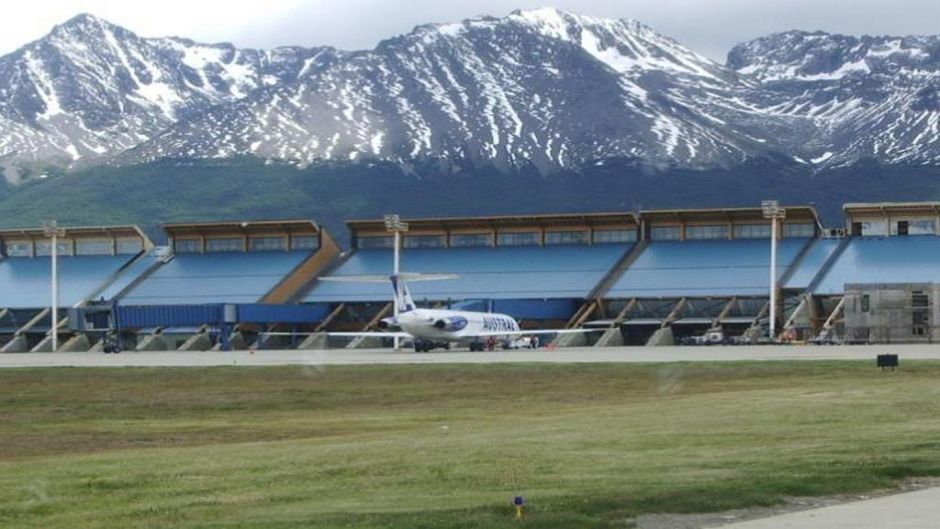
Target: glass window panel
column 752, row 231
column 45, row 248
column 915, row 227
column 613, row 236
column 19, row 249
column 265, row 244
column 224, row 244
column 464, row 240
column 423, row 241
column 566, row 237
column 921, row 227
column 799, row 230
column 129, row 246
column 706, row 232
column 665, row 233
column 369, row 243
column 304, row 242
column 101, row 247
column 187, row 246
column 526, row 238
column 874, row 227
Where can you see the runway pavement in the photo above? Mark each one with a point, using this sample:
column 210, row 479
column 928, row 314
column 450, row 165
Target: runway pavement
column 387, row 356
column 911, row 510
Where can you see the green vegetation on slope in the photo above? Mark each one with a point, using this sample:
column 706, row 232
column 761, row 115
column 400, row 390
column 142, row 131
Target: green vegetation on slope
column 448, row 446
column 247, row 188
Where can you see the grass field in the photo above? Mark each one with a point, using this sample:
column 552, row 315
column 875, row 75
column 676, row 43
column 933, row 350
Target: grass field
column 449, row 446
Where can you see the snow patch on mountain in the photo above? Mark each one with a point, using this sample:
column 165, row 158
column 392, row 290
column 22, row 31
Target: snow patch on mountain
column 541, row 88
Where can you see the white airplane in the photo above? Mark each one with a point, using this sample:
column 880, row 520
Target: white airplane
column 430, row 328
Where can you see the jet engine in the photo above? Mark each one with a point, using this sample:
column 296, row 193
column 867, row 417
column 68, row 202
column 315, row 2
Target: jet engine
column 451, row 323
column 387, row 324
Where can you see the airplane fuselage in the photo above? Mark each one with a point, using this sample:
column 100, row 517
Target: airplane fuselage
column 440, row 325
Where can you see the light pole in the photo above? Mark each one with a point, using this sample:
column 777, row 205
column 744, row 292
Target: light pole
column 773, row 211
column 51, row 229
column 394, row 224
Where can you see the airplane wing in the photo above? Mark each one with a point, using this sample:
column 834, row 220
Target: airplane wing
column 376, row 334
column 524, row 332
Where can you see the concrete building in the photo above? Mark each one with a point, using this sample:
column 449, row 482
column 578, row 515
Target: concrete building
column 653, row 277
column 892, row 312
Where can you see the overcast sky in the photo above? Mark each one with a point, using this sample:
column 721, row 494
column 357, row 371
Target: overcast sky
column 710, row 27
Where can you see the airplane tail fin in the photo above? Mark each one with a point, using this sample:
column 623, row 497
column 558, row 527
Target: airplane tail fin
column 403, row 299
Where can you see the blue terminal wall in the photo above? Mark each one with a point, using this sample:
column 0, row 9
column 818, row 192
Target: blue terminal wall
column 517, row 280
column 903, row 259
column 25, row 281
column 128, row 274
column 811, row 264
column 705, row 268
column 222, row 277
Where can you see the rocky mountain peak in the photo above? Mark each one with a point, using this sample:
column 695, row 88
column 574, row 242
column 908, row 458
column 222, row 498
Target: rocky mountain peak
column 542, row 88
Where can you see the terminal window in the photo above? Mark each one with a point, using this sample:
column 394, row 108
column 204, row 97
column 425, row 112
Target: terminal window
column 187, row 246
column 96, row 247
column 19, row 249
column 265, row 244
column 424, row 241
column 613, row 236
column 799, row 230
column 870, row 228
column 224, row 244
column 466, row 240
column 129, row 246
column 665, row 233
column 526, row 238
column 752, row 231
column 304, row 242
column 372, row 243
column 914, row 227
column 566, row 237
column 45, row 248
column 719, row 231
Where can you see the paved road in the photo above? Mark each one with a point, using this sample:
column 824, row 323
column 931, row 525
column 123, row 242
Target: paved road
column 911, row 510
column 386, row 356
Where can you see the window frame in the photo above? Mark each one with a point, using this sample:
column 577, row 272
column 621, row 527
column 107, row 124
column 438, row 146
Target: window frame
column 513, row 238
column 600, row 236
column 567, row 238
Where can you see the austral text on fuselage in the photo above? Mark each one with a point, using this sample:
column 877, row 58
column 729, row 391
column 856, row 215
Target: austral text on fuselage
column 491, row 323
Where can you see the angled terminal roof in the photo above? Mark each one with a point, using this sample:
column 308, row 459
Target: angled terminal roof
column 521, row 272
column 493, row 272
column 25, row 280
column 703, row 268
column 811, row 263
column 910, row 259
column 227, row 276
column 223, row 277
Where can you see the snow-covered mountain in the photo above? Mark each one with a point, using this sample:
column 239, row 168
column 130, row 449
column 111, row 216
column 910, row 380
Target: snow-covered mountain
column 90, row 88
column 872, row 97
column 543, row 88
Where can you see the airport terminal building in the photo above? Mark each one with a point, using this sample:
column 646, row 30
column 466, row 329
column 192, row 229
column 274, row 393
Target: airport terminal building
column 640, row 278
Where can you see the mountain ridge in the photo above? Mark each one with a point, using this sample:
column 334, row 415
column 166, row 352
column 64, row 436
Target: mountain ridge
column 543, row 88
